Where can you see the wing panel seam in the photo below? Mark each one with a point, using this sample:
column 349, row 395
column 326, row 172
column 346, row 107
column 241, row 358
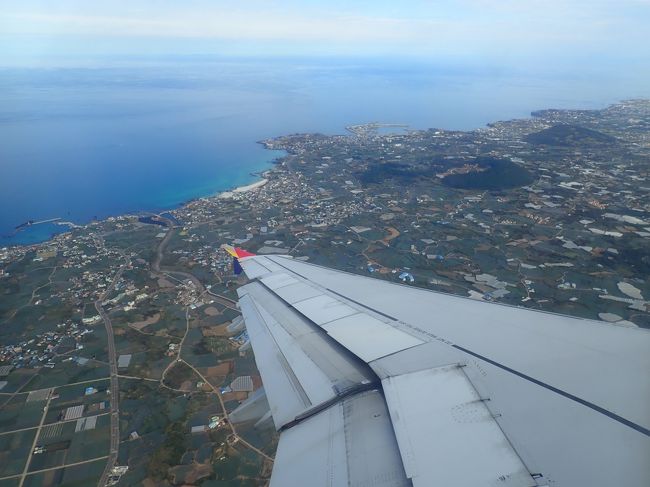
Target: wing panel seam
column 562, row 393
column 637, row 427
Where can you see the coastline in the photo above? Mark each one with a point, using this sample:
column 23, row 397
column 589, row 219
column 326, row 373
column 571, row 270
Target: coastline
column 242, row 189
column 270, row 144
column 225, row 193
column 219, row 195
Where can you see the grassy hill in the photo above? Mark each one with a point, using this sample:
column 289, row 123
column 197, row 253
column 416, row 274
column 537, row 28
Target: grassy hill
column 500, row 174
column 568, row 135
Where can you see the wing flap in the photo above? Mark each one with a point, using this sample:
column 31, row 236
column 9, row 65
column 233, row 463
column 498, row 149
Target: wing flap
column 303, row 366
column 351, row 443
column 446, row 434
column 286, row 396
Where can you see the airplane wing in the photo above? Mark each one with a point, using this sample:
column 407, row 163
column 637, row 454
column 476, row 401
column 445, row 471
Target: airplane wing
column 378, row 384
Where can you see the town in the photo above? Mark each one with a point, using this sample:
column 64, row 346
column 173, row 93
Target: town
column 551, row 212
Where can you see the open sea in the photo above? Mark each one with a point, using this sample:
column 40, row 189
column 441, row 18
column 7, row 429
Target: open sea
column 80, row 143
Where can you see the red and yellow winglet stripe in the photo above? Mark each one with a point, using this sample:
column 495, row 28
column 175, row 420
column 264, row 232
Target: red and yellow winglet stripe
column 236, row 252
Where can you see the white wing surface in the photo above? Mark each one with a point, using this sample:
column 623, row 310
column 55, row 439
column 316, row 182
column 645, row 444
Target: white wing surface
column 377, row 384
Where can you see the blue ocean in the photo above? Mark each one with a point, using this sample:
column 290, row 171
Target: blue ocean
column 79, row 143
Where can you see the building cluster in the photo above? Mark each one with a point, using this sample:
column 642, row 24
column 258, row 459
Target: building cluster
column 41, row 350
column 377, row 202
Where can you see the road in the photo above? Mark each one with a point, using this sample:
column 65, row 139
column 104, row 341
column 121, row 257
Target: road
column 38, row 432
column 115, row 389
column 18, row 391
column 56, row 468
column 160, row 251
column 156, row 267
column 49, row 424
column 180, row 349
column 42, row 389
column 34, row 292
column 225, row 413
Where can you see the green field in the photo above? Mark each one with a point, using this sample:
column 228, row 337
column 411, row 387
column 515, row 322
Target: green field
column 14, row 448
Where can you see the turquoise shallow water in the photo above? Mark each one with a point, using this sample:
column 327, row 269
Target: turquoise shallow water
column 84, row 143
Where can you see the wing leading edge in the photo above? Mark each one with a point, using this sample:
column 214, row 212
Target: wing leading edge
column 464, row 392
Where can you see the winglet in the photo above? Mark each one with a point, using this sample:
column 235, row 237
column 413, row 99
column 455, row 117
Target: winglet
column 237, row 253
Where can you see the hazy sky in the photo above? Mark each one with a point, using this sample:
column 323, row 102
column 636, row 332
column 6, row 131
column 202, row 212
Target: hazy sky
column 490, row 31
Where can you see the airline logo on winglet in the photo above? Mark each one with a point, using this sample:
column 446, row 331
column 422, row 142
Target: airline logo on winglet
column 237, row 253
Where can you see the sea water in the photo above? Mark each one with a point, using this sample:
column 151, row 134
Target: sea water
column 84, row 142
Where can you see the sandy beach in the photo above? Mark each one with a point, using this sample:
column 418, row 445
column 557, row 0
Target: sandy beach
column 244, row 189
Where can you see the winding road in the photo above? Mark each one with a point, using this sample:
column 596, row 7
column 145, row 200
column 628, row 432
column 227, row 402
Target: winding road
column 224, row 301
